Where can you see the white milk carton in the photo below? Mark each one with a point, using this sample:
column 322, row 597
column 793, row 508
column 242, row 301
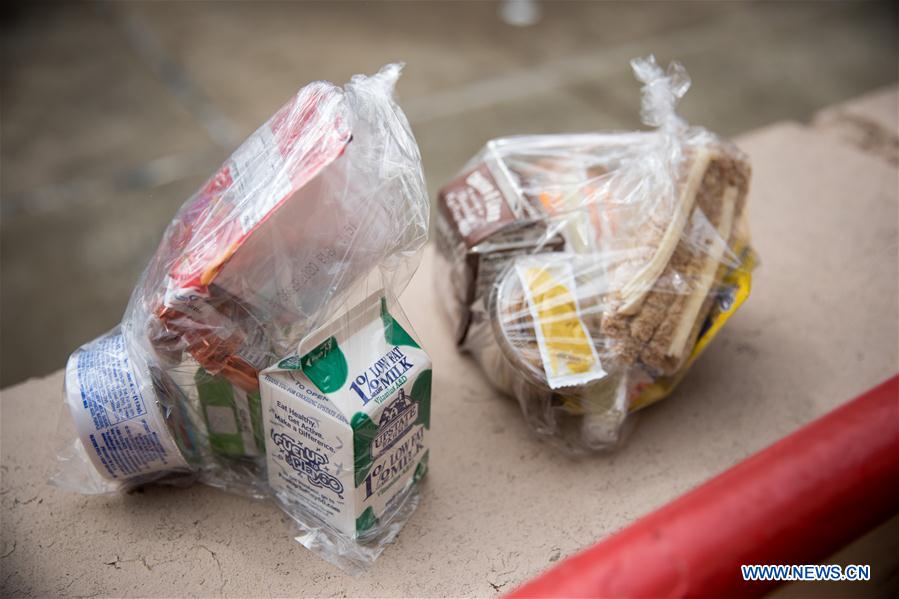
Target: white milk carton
column 346, row 421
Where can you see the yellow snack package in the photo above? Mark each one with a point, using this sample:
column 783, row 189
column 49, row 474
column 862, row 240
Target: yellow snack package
column 566, row 348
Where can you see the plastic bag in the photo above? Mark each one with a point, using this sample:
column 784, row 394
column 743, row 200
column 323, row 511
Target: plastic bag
column 585, row 272
column 321, row 213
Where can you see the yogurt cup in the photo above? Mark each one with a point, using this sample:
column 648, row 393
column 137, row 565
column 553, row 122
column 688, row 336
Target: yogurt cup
column 117, row 413
column 579, row 416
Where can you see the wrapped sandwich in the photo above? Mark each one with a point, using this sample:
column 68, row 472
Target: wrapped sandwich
column 315, row 221
column 585, row 272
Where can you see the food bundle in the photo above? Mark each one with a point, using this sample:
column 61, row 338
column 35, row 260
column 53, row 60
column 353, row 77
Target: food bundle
column 283, row 269
column 585, row 272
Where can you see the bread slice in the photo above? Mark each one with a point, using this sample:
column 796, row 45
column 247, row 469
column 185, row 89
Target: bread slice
column 659, row 311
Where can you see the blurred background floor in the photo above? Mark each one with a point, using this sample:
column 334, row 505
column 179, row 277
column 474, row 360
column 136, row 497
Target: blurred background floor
column 112, row 114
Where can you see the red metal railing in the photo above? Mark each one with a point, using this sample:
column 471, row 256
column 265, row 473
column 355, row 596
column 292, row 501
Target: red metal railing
column 795, row 502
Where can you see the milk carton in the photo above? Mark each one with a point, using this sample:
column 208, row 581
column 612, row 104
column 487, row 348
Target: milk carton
column 346, row 421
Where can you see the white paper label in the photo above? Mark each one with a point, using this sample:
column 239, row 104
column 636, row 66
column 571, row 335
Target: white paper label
column 115, row 413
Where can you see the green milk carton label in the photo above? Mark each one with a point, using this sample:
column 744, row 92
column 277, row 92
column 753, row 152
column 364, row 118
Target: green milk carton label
column 347, row 420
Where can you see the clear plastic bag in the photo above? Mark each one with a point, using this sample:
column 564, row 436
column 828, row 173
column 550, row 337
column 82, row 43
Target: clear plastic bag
column 320, row 211
column 587, row 271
